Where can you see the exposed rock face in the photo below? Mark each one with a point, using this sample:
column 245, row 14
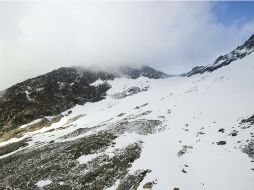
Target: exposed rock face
column 132, row 181
column 221, row 143
column 249, row 120
column 129, row 92
column 57, row 91
column 223, row 60
column 50, row 94
column 20, row 132
column 184, row 150
column 13, row 146
column 142, row 71
column 58, row 161
column 249, row 149
column 195, row 70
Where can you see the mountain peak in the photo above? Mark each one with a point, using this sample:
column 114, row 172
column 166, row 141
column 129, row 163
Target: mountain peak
column 144, row 71
column 223, row 60
column 249, row 44
column 59, row 90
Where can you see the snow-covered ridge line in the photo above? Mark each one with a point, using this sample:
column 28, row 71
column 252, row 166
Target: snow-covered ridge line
column 241, row 51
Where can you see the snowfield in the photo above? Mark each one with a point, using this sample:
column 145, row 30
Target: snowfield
column 191, row 145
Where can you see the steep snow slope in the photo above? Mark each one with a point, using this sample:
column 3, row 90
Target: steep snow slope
column 184, row 145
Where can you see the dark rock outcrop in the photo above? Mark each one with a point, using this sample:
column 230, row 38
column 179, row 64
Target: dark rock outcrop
column 50, row 94
column 59, row 90
column 129, row 92
column 58, row 161
column 132, row 181
column 221, row 142
column 249, row 120
column 144, row 71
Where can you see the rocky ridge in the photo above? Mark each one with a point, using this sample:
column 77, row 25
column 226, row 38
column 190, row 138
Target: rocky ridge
column 223, row 60
column 57, row 91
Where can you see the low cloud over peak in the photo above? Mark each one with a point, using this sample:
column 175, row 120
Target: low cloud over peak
column 170, row 36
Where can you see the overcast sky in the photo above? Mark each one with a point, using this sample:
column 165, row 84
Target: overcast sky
column 170, row 36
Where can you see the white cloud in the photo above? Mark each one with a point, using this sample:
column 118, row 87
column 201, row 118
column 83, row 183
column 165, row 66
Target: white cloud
column 171, row 36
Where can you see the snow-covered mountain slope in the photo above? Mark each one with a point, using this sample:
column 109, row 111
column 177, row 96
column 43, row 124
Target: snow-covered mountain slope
column 59, row 90
column 160, row 134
